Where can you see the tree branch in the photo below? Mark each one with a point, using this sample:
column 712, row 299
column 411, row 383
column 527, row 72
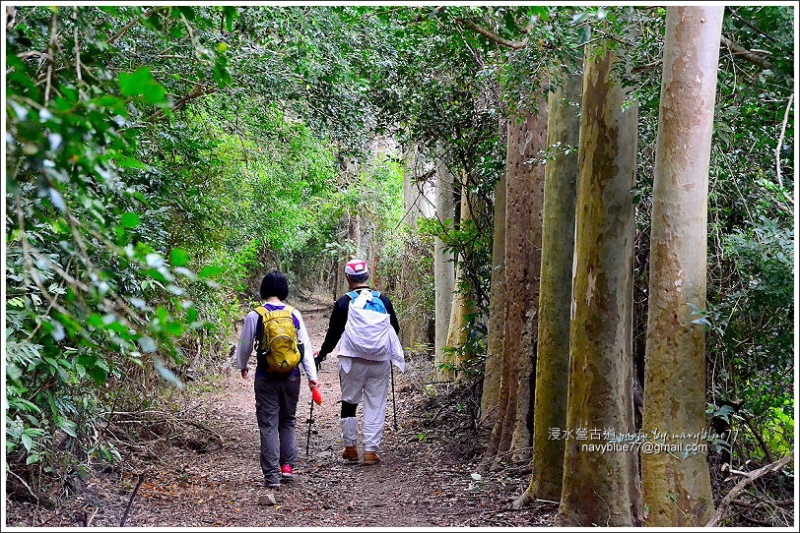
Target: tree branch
column 51, row 48
column 197, row 91
column 749, row 478
column 133, row 23
column 747, row 23
column 515, row 45
column 780, row 141
column 749, row 421
column 742, row 52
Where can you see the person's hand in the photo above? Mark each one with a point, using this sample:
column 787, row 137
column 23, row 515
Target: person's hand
column 318, row 360
column 312, row 384
column 245, row 372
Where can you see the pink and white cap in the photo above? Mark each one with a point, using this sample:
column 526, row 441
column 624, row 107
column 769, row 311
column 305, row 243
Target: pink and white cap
column 356, row 267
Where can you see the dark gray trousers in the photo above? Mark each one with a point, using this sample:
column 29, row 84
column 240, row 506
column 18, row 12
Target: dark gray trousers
column 276, row 405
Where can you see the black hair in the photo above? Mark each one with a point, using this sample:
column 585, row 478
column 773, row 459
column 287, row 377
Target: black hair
column 275, row 284
column 358, row 278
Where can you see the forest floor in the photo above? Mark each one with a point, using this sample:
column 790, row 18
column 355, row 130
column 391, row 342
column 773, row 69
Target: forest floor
column 208, row 474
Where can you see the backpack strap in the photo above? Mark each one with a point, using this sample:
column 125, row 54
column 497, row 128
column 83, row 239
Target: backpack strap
column 264, row 312
column 354, row 294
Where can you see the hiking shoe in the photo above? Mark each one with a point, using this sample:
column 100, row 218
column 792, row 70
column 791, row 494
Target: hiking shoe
column 350, row 453
column 272, row 485
column 286, row 471
column 371, row 458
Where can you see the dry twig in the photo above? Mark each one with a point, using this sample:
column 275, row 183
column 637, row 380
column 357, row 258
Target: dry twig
column 749, row 477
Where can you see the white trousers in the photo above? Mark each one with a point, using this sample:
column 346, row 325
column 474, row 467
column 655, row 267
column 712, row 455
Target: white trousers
column 368, row 381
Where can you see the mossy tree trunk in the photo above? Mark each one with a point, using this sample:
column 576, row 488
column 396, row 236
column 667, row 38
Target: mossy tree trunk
column 602, row 488
column 677, row 488
column 558, row 237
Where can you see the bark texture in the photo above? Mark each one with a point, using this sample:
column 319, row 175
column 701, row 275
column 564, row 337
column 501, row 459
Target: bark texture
column 558, row 238
column 676, row 485
column 522, row 437
column 494, row 336
column 443, row 266
column 462, row 306
column 526, row 139
column 600, row 488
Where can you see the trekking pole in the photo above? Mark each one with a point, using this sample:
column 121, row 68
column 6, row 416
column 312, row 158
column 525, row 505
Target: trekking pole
column 394, row 401
column 310, row 422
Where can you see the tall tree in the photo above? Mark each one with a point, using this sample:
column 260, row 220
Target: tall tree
column 443, row 266
column 462, row 306
column 677, row 488
column 601, row 488
column 558, row 236
column 415, row 315
column 529, row 292
column 526, row 137
column 495, row 334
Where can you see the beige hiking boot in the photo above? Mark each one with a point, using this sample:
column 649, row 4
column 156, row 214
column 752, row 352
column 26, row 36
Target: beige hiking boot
column 350, row 453
column 371, row 458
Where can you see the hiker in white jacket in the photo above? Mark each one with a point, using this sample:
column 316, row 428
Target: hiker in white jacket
column 364, row 330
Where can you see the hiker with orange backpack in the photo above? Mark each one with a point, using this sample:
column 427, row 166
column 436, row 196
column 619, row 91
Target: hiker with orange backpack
column 363, row 328
column 282, row 345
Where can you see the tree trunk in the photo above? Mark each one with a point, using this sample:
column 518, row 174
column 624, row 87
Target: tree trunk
column 461, row 307
column 444, row 269
column 494, row 336
column 677, row 488
column 519, row 221
column 522, row 438
column 558, row 236
column 413, row 313
column 600, row 487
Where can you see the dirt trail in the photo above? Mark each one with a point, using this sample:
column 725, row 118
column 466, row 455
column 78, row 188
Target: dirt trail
column 417, row 484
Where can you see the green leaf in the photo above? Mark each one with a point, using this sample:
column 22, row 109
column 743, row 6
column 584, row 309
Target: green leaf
column 68, row 427
column 220, row 73
column 129, row 220
column 178, row 257
column 211, row 271
column 13, row 372
column 27, row 441
column 16, row 302
column 98, row 374
column 174, row 328
column 230, row 14
column 129, row 162
column 141, row 83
